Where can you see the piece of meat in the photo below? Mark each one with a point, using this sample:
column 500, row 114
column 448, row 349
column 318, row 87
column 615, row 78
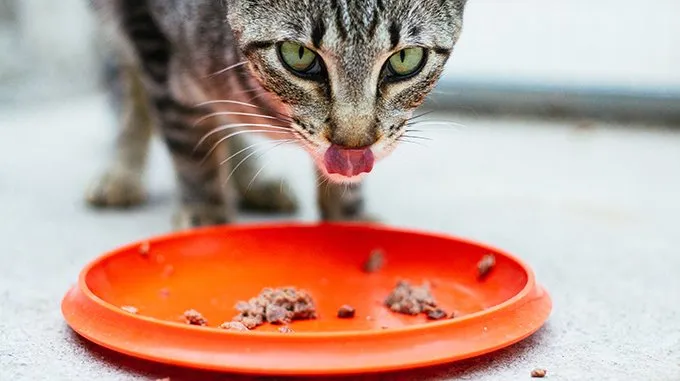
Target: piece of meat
column 410, row 300
column 485, row 265
column 346, row 312
column 276, row 306
column 278, row 315
column 539, row 373
column 194, row 317
column 436, row 314
column 375, row 261
column 234, row 326
column 144, row 248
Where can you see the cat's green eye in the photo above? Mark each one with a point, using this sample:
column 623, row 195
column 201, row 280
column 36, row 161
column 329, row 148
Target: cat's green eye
column 298, row 58
column 406, row 62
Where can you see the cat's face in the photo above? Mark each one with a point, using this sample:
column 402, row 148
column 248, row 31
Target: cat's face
column 349, row 73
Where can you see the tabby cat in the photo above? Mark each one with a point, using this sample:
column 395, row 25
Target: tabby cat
column 340, row 77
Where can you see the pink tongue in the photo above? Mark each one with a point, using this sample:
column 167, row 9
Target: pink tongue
column 348, row 162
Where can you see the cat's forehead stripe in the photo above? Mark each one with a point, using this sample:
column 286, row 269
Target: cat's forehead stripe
column 361, row 17
column 395, row 34
column 318, row 32
column 341, row 18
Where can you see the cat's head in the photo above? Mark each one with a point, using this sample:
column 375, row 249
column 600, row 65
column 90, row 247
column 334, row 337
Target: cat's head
column 349, row 73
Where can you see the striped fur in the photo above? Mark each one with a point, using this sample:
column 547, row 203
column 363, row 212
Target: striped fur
column 176, row 54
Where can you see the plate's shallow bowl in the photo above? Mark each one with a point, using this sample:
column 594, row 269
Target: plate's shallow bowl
column 209, row 270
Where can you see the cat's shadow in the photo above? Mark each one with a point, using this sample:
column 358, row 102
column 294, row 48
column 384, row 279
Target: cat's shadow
column 461, row 369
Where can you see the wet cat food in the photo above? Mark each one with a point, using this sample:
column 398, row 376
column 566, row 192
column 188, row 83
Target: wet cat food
column 410, row 300
column 194, row 317
column 234, row 326
column 436, row 314
column 346, row 312
column 485, row 265
column 144, row 248
column 538, row 373
column 276, row 306
column 375, row 261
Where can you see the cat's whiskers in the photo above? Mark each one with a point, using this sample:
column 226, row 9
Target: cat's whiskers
column 247, row 91
column 224, row 139
column 246, row 104
column 232, row 126
column 419, row 116
column 407, row 136
column 225, row 161
column 441, row 123
column 228, row 68
column 432, row 100
column 228, row 101
column 415, row 137
column 283, row 142
column 321, row 179
column 442, row 92
column 227, row 113
column 236, row 167
column 405, row 140
column 257, row 96
column 344, row 190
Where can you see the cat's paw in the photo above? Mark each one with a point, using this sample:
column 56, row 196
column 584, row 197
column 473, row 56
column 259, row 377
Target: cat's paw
column 197, row 215
column 116, row 189
column 271, row 196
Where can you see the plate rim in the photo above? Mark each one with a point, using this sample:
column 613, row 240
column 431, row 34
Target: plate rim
column 82, row 292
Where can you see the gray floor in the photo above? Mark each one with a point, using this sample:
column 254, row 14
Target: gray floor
column 592, row 208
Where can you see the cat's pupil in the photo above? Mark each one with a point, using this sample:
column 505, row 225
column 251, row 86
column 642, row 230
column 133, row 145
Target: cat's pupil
column 301, row 52
column 402, row 56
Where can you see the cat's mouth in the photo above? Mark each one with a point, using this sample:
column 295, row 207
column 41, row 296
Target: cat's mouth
column 348, row 162
column 344, row 165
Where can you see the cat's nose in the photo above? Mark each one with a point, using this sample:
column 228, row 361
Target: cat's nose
column 352, row 136
column 348, row 161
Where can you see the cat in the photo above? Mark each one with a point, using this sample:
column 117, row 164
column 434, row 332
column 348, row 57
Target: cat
column 341, row 78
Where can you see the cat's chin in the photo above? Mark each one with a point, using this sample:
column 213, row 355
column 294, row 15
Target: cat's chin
column 341, row 179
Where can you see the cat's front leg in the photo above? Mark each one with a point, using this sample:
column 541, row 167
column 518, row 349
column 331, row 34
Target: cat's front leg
column 206, row 189
column 121, row 184
column 341, row 202
column 258, row 194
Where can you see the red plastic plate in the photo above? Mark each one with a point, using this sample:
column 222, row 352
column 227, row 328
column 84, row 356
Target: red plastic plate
column 209, row 270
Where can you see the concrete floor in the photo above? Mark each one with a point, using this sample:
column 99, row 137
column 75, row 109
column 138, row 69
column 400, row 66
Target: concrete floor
column 592, row 208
